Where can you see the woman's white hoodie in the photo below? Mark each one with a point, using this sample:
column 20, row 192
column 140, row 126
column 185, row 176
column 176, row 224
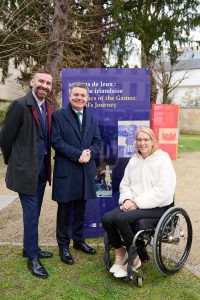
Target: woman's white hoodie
column 149, row 182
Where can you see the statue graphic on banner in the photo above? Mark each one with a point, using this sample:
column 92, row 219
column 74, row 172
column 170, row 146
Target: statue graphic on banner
column 104, row 181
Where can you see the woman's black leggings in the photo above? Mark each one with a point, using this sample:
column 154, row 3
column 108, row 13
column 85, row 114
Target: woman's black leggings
column 119, row 224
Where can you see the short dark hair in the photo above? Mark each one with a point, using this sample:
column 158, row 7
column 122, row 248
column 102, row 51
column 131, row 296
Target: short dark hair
column 80, row 85
column 42, row 71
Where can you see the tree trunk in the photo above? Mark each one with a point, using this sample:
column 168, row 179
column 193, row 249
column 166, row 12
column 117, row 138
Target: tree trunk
column 98, row 39
column 153, row 87
column 57, row 36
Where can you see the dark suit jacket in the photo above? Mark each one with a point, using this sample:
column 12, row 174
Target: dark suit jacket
column 71, row 179
column 19, row 141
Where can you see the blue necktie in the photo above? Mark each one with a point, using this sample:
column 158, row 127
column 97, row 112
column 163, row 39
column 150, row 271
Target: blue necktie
column 44, row 114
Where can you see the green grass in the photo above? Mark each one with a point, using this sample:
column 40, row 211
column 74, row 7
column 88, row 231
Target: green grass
column 87, row 279
column 189, row 143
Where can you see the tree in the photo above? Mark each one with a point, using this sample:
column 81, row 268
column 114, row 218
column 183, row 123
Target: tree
column 155, row 24
column 34, row 35
column 52, row 34
column 23, row 30
column 73, row 33
column 56, row 43
column 164, row 73
column 190, row 100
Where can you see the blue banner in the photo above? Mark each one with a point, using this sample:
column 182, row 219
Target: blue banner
column 120, row 101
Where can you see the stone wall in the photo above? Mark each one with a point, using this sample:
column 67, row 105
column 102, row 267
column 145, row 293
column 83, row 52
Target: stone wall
column 189, row 120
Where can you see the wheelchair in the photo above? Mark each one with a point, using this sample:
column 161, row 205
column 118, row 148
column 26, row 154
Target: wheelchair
column 170, row 238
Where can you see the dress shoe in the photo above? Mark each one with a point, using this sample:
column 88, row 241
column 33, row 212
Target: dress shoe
column 36, row 268
column 41, row 254
column 122, row 272
column 84, row 248
column 119, row 262
column 66, row 256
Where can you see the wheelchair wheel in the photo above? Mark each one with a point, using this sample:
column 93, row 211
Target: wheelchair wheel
column 172, row 240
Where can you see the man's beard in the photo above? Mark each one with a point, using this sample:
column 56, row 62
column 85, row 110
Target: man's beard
column 38, row 90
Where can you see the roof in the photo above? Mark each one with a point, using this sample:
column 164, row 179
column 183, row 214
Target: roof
column 188, row 60
column 185, row 64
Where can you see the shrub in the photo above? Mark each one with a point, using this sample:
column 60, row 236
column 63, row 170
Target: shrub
column 3, row 111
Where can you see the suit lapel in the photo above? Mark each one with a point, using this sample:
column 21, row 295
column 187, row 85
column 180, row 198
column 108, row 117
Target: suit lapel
column 70, row 117
column 30, row 102
column 36, row 112
column 87, row 124
column 48, row 108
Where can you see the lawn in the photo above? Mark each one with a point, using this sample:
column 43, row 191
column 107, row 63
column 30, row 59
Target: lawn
column 189, row 143
column 87, row 279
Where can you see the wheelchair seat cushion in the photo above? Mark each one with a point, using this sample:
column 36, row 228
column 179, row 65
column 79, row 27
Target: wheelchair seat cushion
column 144, row 224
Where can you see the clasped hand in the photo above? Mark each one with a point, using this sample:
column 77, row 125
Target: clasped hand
column 85, row 156
column 128, row 205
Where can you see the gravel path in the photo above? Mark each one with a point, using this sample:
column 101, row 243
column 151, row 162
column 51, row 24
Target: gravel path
column 187, row 196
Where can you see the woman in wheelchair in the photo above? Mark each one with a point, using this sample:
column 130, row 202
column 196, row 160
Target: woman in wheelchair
column 146, row 191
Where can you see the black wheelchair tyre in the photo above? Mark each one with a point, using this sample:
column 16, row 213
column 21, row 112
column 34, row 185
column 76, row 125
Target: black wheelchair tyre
column 172, row 240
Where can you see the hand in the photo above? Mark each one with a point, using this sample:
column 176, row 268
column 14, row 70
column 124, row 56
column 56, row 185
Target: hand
column 85, row 156
column 128, row 205
column 86, row 153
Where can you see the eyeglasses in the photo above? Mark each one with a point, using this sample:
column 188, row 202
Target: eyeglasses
column 143, row 140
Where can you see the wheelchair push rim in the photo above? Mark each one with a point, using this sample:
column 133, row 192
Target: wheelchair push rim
column 172, row 241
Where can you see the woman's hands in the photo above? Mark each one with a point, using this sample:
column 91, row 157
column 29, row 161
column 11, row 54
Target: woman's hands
column 128, row 205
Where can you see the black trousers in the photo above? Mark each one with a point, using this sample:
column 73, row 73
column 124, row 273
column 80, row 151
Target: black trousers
column 77, row 209
column 119, row 224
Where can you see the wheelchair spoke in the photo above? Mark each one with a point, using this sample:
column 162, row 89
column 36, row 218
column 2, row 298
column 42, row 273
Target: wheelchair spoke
column 172, row 242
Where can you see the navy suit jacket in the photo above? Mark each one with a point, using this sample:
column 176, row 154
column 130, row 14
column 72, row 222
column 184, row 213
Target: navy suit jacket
column 73, row 180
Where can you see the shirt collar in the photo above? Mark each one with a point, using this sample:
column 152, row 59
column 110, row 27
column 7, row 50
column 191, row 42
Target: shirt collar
column 76, row 111
column 39, row 102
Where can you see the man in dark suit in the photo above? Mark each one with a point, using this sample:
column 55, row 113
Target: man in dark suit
column 25, row 144
column 76, row 140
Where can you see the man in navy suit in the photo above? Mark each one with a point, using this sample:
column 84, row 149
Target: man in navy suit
column 25, row 144
column 76, row 140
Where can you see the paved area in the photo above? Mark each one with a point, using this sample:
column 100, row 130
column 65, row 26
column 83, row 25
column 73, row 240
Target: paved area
column 6, row 199
column 187, row 197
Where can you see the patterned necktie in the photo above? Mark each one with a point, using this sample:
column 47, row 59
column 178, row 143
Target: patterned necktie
column 79, row 114
column 44, row 114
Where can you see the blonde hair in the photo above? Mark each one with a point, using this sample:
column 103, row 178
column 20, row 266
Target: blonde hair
column 151, row 134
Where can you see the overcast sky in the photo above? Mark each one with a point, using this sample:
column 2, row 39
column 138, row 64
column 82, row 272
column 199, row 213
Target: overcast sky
column 195, row 35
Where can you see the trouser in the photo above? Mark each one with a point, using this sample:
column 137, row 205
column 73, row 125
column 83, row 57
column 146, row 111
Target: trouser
column 77, row 207
column 119, row 224
column 31, row 206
